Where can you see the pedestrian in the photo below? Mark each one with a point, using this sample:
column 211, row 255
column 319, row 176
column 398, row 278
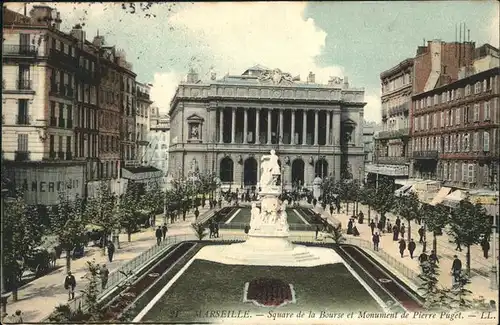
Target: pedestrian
column 317, row 231
column 376, row 241
column 361, row 217
column 158, row 234
column 433, row 258
column 17, row 318
column 349, row 227
column 458, row 248
column 411, row 247
column 247, row 229
column 402, row 230
column 402, row 247
column 398, row 222
column 421, row 233
column 111, row 251
column 380, row 226
column 395, row 233
column 70, row 284
column 389, row 226
column 331, row 208
column 372, row 226
column 104, row 273
column 485, row 245
column 355, row 231
column 164, row 230
column 456, row 269
column 196, row 214
column 216, row 229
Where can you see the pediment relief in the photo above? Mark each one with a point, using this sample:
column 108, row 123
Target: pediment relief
column 195, row 118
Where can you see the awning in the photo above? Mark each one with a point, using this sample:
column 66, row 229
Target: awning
column 407, row 181
column 141, row 173
column 453, row 199
column 441, row 195
column 402, row 190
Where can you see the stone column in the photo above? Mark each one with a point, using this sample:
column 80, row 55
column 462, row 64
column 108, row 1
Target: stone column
column 245, row 125
column 257, row 125
column 336, row 128
column 292, row 141
column 327, row 128
column 281, row 127
column 268, row 126
column 304, row 127
column 316, row 127
column 233, row 125
column 221, row 125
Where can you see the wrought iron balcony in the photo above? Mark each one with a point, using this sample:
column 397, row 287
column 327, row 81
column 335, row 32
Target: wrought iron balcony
column 23, row 119
column 426, row 155
column 24, row 84
column 19, row 50
column 22, row 155
column 61, row 57
column 399, row 109
column 394, row 134
column 142, row 95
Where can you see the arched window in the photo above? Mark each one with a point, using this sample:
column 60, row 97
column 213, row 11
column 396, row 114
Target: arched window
column 226, row 170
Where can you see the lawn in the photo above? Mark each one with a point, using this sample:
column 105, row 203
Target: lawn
column 209, row 286
column 244, row 217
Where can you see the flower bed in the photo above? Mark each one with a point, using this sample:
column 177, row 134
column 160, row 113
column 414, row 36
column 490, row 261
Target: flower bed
column 268, row 292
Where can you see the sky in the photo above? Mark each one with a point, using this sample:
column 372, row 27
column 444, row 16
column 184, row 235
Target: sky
column 354, row 39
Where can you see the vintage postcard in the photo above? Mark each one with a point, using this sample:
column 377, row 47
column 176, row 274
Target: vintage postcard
column 250, row 162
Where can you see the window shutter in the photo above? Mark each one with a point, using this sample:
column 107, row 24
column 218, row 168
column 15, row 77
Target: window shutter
column 465, row 171
column 486, row 141
column 486, row 110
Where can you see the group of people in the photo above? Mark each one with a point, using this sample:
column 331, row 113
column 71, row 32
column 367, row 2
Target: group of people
column 70, row 281
column 214, row 229
column 161, row 233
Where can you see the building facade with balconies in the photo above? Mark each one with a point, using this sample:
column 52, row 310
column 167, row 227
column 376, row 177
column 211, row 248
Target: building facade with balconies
column 39, row 106
column 159, row 139
column 456, row 128
column 142, row 114
column 226, row 125
column 127, row 107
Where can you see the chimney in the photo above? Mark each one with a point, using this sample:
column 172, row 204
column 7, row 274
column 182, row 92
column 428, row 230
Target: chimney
column 57, row 22
column 311, row 78
column 98, row 40
column 192, row 77
column 78, row 33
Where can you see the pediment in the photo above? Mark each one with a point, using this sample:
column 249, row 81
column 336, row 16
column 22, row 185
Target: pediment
column 349, row 122
column 195, row 118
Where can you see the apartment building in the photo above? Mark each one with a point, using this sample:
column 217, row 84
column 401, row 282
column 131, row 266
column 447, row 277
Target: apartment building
column 435, row 64
column 159, row 139
column 143, row 103
column 455, row 127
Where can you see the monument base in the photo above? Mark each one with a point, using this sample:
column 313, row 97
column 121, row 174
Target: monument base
column 269, row 251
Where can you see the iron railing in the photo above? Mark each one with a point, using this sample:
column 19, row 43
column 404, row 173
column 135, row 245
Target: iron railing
column 22, row 50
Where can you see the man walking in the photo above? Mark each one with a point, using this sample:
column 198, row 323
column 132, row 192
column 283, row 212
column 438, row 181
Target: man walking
column 158, row 234
column 456, row 269
column 402, row 230
column 421, row 233
column 433, row 258
column 402, row 247
column 164, row 230
column 104, row 273
column 372, row 226
column 411, row 247
column 317, row 231
column 111, row 251
column 485, row 245
column 70, row 284
column 376, row 241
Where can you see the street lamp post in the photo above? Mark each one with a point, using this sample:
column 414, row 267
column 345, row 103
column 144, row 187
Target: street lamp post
column 493, row 272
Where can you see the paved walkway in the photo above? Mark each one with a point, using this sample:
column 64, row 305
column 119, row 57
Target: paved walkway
column 480, row 266
column 38, row 298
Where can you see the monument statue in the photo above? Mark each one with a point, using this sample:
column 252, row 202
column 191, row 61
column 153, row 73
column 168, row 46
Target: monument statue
column 270, row 172
column 255, row 218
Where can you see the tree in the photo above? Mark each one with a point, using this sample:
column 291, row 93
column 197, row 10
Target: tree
column 468, row 224
column 68, row 224
column 408, row 207
column 100, row 210
column 436, row 298
column 154, row 199
column 385, row 198
column 129, row 212
column 368, row 196
column 91, row 291
column 435, row 219
column 461, row 295
column 22, row 234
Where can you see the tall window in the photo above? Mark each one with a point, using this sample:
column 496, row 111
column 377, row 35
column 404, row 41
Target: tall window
column 22, row 112
column 61, row 115
column 68, row 144
column 60, row 143
column 22, row 142
column 486, row 110
column 478, row 87
column 24, row 77
column 486, row 141
column 51, row 144
column 471, row 173
column 69, row 115
column 476, row 112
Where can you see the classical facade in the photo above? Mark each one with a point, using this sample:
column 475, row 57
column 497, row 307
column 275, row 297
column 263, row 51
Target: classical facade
column 455, row 127
column 225, row 126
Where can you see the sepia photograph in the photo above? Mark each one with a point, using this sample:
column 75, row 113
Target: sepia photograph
column 250, row 162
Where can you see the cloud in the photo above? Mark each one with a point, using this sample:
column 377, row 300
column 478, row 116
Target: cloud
column 373, row 108
column 164, row 87
column 232, row 37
